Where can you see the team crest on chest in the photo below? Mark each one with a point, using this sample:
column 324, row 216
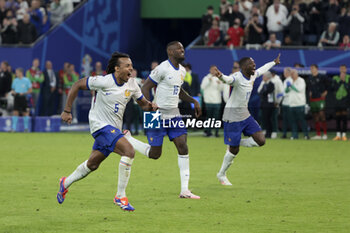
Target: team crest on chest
column 127, row 93
column 182, row 78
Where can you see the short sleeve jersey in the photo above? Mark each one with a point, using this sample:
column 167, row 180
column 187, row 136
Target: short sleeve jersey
column 169, row 80
column 109, row 102
column 21, row 85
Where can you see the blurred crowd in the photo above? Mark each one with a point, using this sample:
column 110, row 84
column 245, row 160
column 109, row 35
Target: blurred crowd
column 22, row 21
column 281, row 103
column 272, row 24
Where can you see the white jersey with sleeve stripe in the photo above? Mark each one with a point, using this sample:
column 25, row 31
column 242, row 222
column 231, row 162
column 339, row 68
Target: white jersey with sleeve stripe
column 236, row 108
column 108, row 104
column 169, row 80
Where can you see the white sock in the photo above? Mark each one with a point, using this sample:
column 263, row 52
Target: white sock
column 228, row 160
column 338, row 134
column 248, row 142
column 79, row 173
column 184, row 166
column 141, row 147
column 343, row 134
column 124, row 174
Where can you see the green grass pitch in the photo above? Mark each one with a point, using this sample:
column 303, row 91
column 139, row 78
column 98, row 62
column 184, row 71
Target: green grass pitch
column 285, row 186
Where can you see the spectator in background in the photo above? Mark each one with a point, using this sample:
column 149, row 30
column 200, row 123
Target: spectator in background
column 346, row 43
column 193, row 80
column 245, row 7
column 277, row 97
column 46, row 23
column 267, row 104
column 344, row 22
column 154, row 64
column 285, row 102
column 329, row 37
column 227, row 89
column 276, row 15
column 207, row 21
column 341, row 88
column 332, row 11
column 5, row 80
column 297, row 101
column 48, row 90
column 295, row 24
column 23, row 8
column 213, row 34
column 36, row 77
column 233, row 13
column 235, row 35
column 69, row 78
column 3, row 12
column 253, row 12
column 316, row 18
column 317, row 88
column 60, row 86
column 272, row 42
column 26, row 31
column 68, row 6
column 9, row 29
column 133, row 113
column 57, row 11
column 253, row 32
column 99, row 71
column 21, row 87
column 12, row 5
column 36, row 16
column 212, row 88
column 224, row 19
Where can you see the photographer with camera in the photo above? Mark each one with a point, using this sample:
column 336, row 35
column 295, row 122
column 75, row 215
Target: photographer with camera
column 21, row 87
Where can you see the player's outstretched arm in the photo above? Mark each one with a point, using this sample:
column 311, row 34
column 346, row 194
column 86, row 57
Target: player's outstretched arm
column 222, row 77
column 147, row 105
column 146, row 88
column 67, row 112
column 183, row 95
column 268, row 66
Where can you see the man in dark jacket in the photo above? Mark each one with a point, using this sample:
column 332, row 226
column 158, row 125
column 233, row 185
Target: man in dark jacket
column 266, row 92
column 48, row 88
column 26, row 31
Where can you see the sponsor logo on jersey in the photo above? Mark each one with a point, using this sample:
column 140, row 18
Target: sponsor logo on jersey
column 108, row 93
column 127, row 93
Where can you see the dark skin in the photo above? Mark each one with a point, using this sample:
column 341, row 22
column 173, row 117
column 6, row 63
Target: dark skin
column 248, row 69
column 176, row 54
column 123, row 147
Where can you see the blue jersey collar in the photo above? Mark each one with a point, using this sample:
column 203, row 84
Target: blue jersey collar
column 173, row 65
column 115, row 80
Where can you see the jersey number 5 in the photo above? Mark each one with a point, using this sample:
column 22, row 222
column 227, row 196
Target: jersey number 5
column 176, row 90
column 116, row 108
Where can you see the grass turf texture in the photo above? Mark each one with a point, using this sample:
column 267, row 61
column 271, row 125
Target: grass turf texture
column 286, row 186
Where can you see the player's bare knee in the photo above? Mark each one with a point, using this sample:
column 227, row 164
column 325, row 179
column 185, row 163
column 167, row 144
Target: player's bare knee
column 182, row 149
column 234, row 150
column 261, row 142
column 130, row 153
column 92, row 166
column 155, row 155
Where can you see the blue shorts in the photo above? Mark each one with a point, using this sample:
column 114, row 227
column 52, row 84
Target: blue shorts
column 234, row 130
column 155, row 136
column 106, row 138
